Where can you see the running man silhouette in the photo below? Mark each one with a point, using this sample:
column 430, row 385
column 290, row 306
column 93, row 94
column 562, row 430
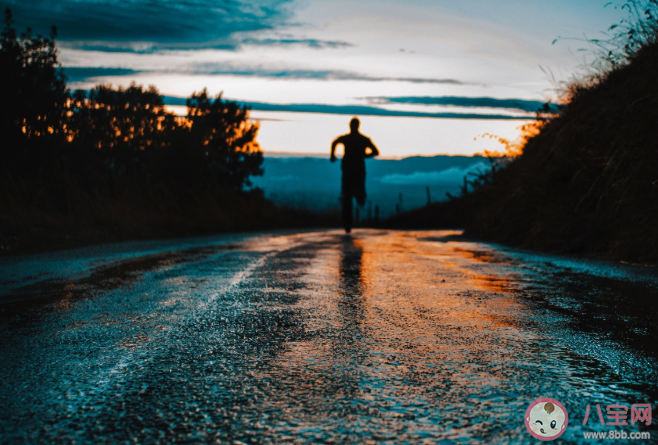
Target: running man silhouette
column 357, row 148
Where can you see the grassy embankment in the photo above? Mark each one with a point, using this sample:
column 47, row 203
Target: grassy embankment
column 586, row 184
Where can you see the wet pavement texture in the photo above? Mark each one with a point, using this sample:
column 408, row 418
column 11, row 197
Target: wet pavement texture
column 317, row 337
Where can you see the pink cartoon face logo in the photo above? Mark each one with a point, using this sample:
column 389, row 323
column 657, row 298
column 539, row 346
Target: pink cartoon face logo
column 546, row 419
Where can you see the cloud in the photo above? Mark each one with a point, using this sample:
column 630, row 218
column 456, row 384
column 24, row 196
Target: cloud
column 234, row 43
column 353, row 110
column 360, row 110
column 222, row 68
column 466, row 102
column 310, row 43
column 173, row 100
column 82, row 73
column 117, row 25
column 453, row 175
column 229, row 69
column 138, row 47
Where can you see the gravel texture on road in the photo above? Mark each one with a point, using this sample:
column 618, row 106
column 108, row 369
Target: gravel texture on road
column 317, row 337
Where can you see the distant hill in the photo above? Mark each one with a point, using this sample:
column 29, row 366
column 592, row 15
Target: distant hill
column 314, row 183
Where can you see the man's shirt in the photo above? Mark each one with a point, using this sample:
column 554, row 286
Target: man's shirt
column 355, row 150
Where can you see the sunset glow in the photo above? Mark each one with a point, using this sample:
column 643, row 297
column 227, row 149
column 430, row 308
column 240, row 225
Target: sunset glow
column 474, row 58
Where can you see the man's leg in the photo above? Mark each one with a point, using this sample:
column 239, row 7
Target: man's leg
column 360, row 189
column 346, row 202
column 361, row 198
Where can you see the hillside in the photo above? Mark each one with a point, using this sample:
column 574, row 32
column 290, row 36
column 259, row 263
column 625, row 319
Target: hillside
column 314, row 183
column 586, row 184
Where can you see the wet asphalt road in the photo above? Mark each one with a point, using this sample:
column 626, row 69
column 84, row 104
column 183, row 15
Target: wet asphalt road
column 318, row 337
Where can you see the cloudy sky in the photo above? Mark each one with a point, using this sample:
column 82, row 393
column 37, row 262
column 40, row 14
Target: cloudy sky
column 425, row 76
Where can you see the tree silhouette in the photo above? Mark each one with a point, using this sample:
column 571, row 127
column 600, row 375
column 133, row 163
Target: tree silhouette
column 122, row 125
column 221, row 134
column 33, row 94
column 116, row 133
column 115, row 158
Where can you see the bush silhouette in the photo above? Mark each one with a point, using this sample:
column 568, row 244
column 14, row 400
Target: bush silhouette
column 111, row 163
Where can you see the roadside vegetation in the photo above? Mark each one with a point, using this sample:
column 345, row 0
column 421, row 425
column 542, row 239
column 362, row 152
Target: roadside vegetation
column 584, row 181
column 112, row 163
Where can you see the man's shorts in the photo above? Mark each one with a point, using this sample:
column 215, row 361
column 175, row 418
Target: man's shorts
column 354, row 184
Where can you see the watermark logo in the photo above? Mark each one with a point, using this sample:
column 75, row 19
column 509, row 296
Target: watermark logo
column 618, row 414
column 546, row 419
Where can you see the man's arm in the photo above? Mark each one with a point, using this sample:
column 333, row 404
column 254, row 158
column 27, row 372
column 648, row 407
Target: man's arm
column 373, row 150
column 333, row 149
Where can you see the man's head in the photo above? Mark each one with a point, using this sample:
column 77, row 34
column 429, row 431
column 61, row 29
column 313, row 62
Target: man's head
column 354, row 125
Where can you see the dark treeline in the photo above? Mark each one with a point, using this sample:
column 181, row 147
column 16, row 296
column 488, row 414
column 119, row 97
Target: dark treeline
column 112, row 162
column 116, row 133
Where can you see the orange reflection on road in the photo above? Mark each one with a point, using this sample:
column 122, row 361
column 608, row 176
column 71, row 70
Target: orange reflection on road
column 412, row 324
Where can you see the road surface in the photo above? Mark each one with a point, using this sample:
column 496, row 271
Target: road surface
column 318, row 337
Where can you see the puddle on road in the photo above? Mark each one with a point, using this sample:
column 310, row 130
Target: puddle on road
column 428, row 340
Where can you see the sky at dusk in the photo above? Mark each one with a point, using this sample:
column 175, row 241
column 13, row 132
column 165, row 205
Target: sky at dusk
column 426, row 77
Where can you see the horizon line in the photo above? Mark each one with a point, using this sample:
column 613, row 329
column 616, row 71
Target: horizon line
column 320, row 155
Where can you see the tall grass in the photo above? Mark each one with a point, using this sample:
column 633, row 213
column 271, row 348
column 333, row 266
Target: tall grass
column 587, row 181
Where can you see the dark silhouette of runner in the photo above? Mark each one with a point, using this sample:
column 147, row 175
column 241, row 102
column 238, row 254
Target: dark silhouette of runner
column 356, row 146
